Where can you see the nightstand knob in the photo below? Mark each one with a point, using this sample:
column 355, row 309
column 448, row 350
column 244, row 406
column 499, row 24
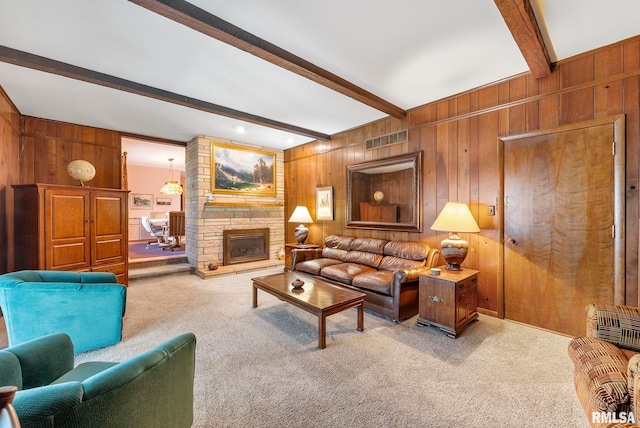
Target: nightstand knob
column 435, row 299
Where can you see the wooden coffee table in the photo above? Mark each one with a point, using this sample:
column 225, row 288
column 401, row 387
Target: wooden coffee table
column 316, row 296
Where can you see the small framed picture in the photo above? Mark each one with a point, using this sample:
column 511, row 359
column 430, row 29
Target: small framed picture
column 140, row 201
column 324, row 203
column 163, row 201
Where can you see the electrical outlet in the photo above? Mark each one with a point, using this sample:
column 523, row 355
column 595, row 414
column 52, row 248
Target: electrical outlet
column 492, row 210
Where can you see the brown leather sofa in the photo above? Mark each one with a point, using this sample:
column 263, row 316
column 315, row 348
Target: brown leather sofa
column 386, row 271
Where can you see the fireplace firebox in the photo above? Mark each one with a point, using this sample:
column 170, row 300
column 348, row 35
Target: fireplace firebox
column 245, row 245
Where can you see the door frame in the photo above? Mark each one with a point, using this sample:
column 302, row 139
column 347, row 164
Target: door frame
column 619, row 179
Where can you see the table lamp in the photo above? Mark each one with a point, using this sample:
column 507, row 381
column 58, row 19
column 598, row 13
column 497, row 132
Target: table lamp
column 455, row 217
column 301, row 215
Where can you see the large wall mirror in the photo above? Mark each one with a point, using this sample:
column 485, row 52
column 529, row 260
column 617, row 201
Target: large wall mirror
column 385, row 194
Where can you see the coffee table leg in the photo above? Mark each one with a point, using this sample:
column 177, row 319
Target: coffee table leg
column 361, row 316
column 322, row 331
column 255, row 296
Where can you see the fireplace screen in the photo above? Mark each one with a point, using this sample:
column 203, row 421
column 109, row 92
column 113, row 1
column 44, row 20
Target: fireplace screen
column 245, row 245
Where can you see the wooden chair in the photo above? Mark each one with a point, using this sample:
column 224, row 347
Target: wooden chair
column 176, row 230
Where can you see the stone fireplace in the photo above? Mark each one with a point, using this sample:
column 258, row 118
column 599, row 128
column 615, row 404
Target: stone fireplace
column 245, row 245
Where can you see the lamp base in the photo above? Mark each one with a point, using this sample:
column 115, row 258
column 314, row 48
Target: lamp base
column 301, row 234
column 454, row 251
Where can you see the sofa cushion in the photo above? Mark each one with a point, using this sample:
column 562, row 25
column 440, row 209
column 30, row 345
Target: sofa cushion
column 362, row 258
column 368, row 245
column 339, row 242
column 616, row 324
column 600, row 373
column 407, row 250
column 316, row 265
column 345, row 272
column 379, row 281
column 334, row 253
column 394, row 263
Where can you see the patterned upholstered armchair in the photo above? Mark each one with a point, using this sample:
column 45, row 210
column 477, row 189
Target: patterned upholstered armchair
column 607, row 365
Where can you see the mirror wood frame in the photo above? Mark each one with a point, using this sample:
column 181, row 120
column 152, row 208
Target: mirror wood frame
column 389, row 176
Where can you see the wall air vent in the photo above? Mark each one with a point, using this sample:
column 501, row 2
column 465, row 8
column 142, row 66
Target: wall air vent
column 386, row 140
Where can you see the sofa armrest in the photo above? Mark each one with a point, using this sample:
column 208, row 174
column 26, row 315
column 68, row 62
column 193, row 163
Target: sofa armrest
column 161, row 379
column 44, row 359
column 433, row 259
column 37, row 406
column 617, row 324
column 412, row 274
column 405, row 276
column 303, row 254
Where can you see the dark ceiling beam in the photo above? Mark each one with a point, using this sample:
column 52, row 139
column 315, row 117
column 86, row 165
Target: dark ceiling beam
column 523, row 25
column 200, row 20
column 35, row 62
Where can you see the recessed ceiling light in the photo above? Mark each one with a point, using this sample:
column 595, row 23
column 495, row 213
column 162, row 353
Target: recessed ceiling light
column 240, row 129
column 290, row 140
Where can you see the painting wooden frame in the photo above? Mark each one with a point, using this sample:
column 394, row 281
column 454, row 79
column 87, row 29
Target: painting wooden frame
column 140, row 201
column 237, row 170
column 324, row 203
column 163, row 201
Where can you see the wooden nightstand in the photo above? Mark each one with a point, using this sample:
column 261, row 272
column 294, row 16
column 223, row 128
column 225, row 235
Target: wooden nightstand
column 449, row 301
column 287, row 252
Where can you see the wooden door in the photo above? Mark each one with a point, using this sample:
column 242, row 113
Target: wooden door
column 109, row 222
column 66, row 230
column 562, row 206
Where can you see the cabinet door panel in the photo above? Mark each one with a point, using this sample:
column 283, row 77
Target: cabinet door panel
column 109, row 215
column 439, row 302
column 462, row 309
column 66, row 230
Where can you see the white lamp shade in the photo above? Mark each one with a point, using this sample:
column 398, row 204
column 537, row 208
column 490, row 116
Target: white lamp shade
column 455, row 217
column 300, row 215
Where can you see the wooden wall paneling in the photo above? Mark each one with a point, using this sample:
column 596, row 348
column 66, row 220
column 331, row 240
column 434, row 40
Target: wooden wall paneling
column 48, row 147
column 49, row 161
column 443, row 110
column 10, row 128
column 518, row 113
column 631, row 109
column 488, row 97
column 576, row 106
column 532, row 109
column 87, row 152
column 549, row 106
column 430, row 206
column 486, row 127
column 103, row 168
column 467, row 180
column 64, row 155
column 27, row 162
column 459, row 132
column 608, row 95
column 338, row 181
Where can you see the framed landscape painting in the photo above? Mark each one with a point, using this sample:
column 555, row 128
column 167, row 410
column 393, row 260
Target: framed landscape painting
column 242, row 171
column 140, row 201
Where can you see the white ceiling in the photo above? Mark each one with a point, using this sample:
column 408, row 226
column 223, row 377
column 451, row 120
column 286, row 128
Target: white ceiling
column 408, row 52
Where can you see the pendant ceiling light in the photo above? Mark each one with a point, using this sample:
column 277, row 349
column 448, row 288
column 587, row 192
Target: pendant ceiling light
column 171, row 187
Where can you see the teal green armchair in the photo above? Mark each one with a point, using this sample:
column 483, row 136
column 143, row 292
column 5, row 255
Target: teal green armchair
column 153, row 389
column 88, row 306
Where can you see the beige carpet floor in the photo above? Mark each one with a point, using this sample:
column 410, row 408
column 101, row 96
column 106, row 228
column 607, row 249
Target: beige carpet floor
column 261, row 367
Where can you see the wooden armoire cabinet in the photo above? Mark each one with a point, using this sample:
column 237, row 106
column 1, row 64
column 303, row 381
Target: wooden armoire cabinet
column 71, row 228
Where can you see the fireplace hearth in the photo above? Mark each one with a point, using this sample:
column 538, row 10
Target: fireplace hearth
column 245, row 245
